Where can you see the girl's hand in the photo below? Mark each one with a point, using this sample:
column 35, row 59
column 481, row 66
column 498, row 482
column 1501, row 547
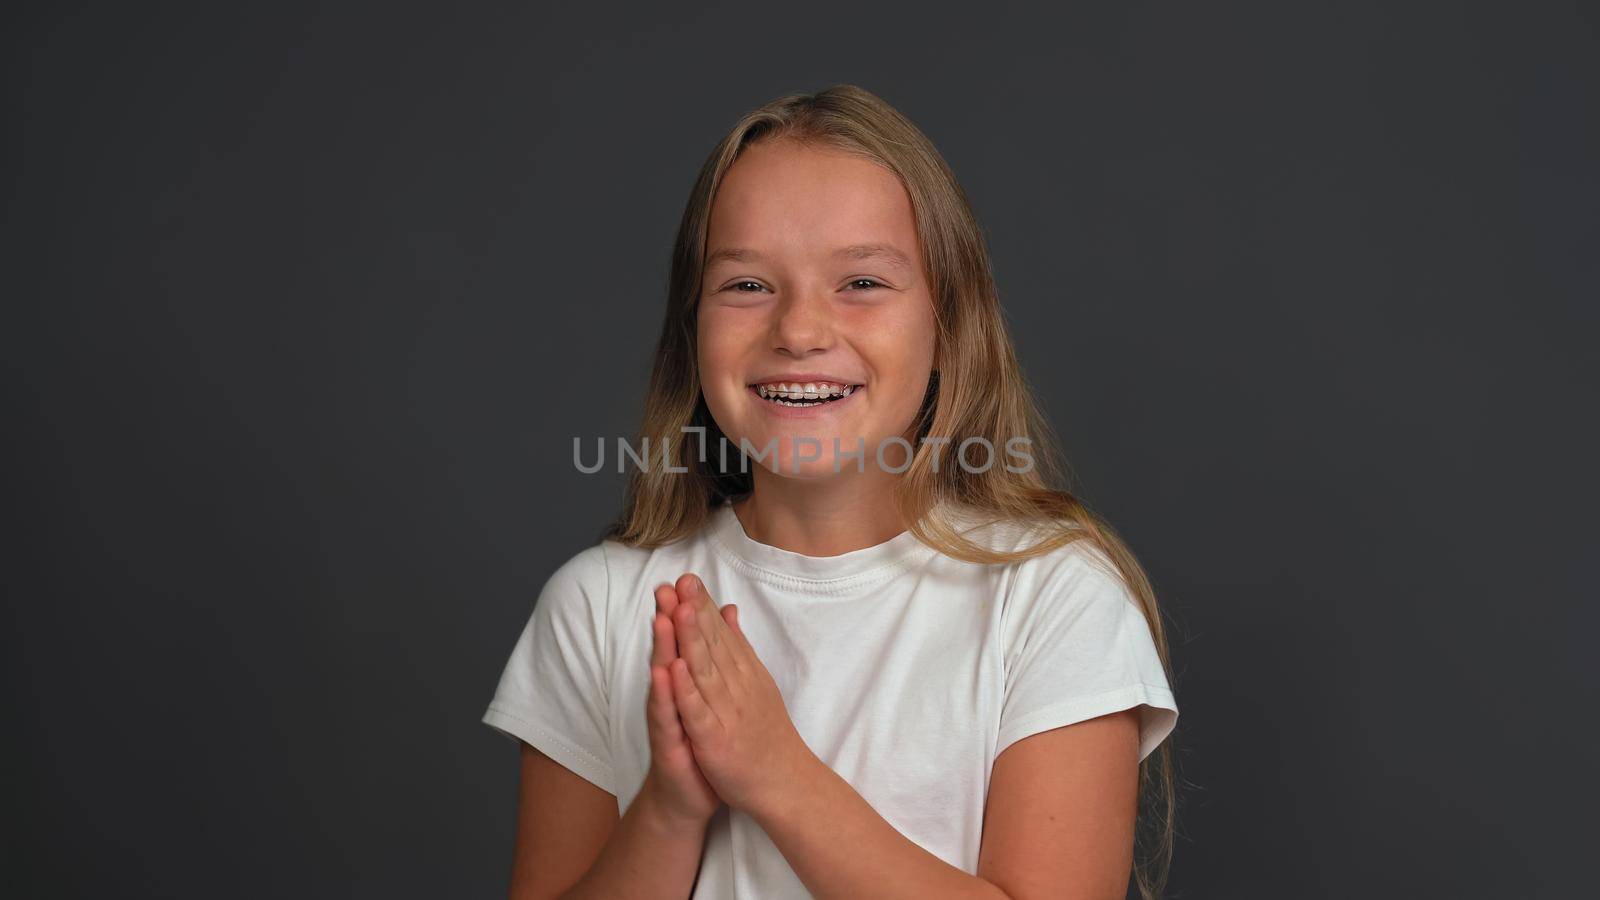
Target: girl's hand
column 732, row 711
column 674, row 777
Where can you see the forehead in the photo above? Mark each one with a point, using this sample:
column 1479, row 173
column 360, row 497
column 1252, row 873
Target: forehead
column 781, row 197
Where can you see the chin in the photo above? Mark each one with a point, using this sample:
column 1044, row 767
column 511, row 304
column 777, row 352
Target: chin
column 812, row 470
column 783, row 462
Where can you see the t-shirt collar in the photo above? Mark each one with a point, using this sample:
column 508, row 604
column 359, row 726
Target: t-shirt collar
column 729, row 532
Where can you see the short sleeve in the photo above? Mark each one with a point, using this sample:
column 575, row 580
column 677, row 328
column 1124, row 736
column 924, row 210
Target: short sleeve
column 552, row 693
column 1077, row 647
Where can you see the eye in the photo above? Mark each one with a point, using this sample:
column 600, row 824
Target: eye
column 737, row 285
column 868, row 282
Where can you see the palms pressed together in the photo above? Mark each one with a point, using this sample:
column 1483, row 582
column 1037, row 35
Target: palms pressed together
column 719, row 730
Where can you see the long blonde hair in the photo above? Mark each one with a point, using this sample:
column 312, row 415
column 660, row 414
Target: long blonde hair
column 977, row 389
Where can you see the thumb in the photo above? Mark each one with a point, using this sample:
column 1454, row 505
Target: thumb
column 730, row 614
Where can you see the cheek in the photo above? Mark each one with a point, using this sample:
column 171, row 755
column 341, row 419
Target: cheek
column 720, row 351
column 901, row 357
column 904, row 349
column 711, row 347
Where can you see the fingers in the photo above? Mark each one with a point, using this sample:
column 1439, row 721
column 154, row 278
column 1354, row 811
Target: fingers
column 689, row 625
column 692, row 592
column 697, row 650
column 666, row 598
column 730, row 614
column 664, row 641
column 698, row 718
column 662, row 710
column 711, row 675
column 719, row 637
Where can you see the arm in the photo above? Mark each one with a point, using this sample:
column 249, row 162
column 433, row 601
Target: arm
column 1059, row 823
column 1061, row 811
column 1061, row 802
column 571, row 843
column 839, row 846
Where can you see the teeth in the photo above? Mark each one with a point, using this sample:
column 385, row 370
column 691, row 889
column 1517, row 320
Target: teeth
column 781, row 392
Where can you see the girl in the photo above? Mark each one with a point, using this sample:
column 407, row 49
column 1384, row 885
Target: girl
column 845, row 639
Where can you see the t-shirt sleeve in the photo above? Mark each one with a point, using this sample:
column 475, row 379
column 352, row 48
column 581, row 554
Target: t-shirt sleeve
column 1077, row 647
column 552, row 693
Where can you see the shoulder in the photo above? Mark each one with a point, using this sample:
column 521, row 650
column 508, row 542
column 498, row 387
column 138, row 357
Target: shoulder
column 577, row 587
column 594, row 569
column 1074, row 573
column 1079, row 557
column 588, row 569
column 595, row 564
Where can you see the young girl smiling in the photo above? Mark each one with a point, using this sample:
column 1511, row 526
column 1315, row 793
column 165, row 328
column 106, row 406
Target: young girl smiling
column 874, row 650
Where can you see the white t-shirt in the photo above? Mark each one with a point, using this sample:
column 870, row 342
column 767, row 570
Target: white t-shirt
column 905, row 670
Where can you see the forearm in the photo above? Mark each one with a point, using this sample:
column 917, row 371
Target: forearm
column 649, row 856
column 840, row 847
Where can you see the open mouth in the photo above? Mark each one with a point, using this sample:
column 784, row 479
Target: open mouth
column 803, row 395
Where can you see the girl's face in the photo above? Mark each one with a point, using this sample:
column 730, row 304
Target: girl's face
column 813, row 290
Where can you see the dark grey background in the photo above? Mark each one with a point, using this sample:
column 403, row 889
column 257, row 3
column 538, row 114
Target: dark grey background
column 306, row 303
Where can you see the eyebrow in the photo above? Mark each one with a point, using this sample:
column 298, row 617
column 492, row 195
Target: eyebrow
column 855, row 251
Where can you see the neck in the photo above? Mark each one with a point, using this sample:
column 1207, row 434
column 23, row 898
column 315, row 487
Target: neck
column 821, row 517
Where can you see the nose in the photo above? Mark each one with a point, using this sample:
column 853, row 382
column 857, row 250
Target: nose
column 803, row 324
